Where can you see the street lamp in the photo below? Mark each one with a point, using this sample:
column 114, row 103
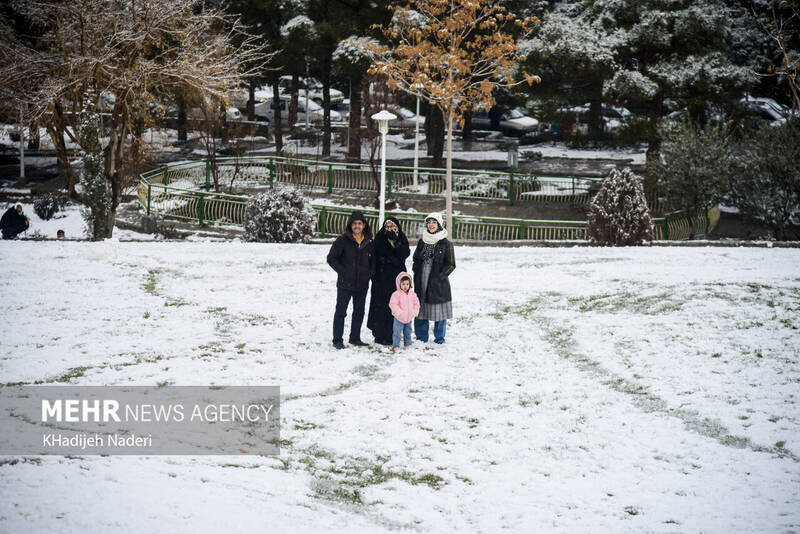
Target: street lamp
column 383, row 117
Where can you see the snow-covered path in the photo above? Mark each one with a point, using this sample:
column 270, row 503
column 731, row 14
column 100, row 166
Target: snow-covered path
column 579, row 390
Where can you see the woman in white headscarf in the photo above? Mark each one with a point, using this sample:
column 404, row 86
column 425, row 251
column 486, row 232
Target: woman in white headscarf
column 434, row 260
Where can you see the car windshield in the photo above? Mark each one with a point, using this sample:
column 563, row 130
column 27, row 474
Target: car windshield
column 514, row 114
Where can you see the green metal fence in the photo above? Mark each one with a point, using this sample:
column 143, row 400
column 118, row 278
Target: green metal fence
column 327, row 176
column 182, row 191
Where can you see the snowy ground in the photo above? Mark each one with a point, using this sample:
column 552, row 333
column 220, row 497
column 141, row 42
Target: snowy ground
column 70, row 220
column 581, row 390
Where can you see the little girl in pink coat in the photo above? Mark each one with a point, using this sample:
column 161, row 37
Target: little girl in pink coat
column 405, row 307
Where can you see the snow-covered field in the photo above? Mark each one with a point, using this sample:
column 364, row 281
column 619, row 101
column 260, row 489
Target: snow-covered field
column 580, row 390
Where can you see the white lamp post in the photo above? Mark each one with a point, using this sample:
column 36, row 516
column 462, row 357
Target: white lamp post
column 383, row 117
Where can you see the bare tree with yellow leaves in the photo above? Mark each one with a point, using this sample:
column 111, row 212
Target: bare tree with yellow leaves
column 126, row 59
column 453, row 53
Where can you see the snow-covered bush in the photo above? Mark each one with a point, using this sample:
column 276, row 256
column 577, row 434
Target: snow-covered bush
column 281, row 215
column 618, row 215
column 48, row 205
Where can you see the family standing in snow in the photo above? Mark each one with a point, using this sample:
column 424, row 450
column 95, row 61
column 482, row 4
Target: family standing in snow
column 356, row 258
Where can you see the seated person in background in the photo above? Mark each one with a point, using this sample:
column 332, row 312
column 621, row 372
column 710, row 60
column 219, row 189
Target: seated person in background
column 13, row 222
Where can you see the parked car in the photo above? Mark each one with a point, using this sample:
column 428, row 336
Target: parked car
column 231, row 114
column 614, row 117
column 266, row 111
column 406, row 119
column 313, row 86
column 761, row 102
column 512, row 122
column 765, row 112
column 343, row 108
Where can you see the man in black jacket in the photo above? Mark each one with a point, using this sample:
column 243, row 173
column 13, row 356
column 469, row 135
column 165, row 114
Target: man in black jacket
column 13, row 222
column 352, row 256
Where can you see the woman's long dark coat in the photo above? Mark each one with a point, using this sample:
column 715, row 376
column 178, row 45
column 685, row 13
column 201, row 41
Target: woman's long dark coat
column 390, row 261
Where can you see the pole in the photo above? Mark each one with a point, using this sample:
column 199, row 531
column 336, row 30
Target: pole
column 382, row 207
column 449, row 175
column 307, row 111
column 416, row 144
column 21, row 149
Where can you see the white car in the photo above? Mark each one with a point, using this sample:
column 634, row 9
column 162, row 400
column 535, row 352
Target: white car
column 406, row 118
column 231, row 114
column 265, row 110
column 513, row 122
column 240, row 97
column 314, row 88
column 761, row 102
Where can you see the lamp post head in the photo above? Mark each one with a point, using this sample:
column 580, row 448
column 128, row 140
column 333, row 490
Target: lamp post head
column 383, row 117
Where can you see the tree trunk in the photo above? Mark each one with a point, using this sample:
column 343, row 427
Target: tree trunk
column 251, row 101
column 181, row 119
column 276, row 127
column 466, row 131
column 56, row 130
column 653, row 138
column 326, row 104
column 596, row 113
column 449, row 174
column 428, row 128
column 293, row 101
column 33, row 137
column 354, row 125
column 697, row 113
column 436, row 138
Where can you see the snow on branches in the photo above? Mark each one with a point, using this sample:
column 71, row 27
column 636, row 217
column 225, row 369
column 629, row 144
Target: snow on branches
column 618, row 215
column 280, row 215
column 453, row 53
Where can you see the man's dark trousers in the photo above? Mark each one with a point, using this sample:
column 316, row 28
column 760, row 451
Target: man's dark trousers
column 343, row 297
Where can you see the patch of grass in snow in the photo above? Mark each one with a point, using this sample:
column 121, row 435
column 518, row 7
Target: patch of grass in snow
column 73, row 372
column 151, row 281
column 628, row 302
column 366, row 371
column 302, row 425
column 241, row 466
column 632, row 510
column 527, row 400
column 24, row 460
column 177, row 302
column 344, row 478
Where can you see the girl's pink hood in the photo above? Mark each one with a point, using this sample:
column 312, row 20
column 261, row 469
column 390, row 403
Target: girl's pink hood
column 404, row 306
column 400, row 277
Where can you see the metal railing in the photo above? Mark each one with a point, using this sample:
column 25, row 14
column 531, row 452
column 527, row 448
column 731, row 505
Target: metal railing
column 182, row 191
column 327, row 176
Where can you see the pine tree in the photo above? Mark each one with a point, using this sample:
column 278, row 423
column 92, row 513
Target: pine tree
column 694, row 168
column 96, row 192
column 765, row 185
column 618, row 215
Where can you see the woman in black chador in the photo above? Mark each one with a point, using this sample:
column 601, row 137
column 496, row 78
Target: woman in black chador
column 391, row 251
